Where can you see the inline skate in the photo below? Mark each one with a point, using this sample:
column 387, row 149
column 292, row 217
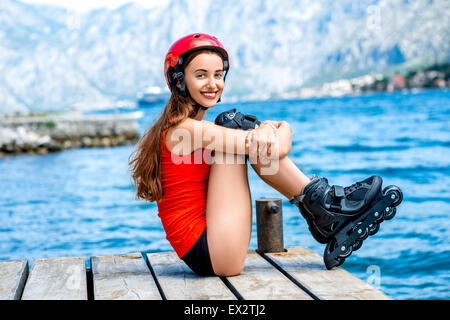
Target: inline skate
column 236, row 120
column 343, row 217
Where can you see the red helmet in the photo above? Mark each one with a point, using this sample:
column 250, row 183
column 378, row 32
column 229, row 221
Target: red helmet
column 179, row 51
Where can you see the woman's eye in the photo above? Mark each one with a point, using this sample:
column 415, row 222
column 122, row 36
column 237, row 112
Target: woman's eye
column 202, row 75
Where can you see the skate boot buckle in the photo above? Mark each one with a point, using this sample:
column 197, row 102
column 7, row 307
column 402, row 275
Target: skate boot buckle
column 338, row 191
column 338, row 194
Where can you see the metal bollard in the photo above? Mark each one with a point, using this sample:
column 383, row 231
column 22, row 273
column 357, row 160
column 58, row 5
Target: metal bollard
column 269, row 224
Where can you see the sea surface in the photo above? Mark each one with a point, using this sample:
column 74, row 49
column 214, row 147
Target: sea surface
column 82, row 202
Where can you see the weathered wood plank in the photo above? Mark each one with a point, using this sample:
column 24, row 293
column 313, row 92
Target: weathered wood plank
column 307, row 267
column 57, row 279
column 123, row 277
column 261, row 281
column 179, row 282
column 13, row 274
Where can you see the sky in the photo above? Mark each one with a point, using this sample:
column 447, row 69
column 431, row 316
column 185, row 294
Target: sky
column 86, row 5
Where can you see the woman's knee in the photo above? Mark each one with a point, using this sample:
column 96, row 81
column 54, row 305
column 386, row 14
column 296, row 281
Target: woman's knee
column 229, row 270
column 228, row 260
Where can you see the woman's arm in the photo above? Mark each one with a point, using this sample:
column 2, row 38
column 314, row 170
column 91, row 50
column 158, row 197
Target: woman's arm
column 191, row 135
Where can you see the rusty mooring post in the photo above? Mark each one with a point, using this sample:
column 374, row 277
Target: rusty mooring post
column 269, row 223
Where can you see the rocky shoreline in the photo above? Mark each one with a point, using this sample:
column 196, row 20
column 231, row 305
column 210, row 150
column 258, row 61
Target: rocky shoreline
column 43, row 134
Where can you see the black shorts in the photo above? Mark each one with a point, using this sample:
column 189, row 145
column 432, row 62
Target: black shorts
column 197, row 258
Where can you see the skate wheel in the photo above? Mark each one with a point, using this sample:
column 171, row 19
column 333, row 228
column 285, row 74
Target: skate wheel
column 357, row 245
column 373, row 228
column 347, row 251
column 363, row 234
column 389, row 213
column 395, row 193
column 379, row 217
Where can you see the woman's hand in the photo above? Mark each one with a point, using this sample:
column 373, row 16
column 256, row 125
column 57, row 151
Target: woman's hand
column 264, row 142
column 271, row 140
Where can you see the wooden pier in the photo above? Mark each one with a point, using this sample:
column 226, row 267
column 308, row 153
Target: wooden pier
column 298, row 274
column 272, row 272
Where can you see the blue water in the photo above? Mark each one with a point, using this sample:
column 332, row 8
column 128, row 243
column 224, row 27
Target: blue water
column 82, row 203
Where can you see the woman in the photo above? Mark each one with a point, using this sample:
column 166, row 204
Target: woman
column 196, row 170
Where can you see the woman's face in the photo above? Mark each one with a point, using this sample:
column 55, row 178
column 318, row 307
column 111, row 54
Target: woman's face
column 204, row 78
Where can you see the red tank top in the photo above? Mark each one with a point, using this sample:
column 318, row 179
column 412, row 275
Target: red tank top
column 184, row 182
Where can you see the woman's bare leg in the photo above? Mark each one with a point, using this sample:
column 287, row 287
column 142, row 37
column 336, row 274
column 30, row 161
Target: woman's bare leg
column 286, row 178
column 228, row 214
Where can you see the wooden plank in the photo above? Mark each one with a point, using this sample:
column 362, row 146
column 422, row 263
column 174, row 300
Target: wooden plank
column 13, row 275
column 123, row 277
column 261, row 281
column 307, row 267
column 179, row 282
column 57, row 279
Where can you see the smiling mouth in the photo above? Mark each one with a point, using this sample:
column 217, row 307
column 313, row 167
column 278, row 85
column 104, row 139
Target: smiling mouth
column 209, row 95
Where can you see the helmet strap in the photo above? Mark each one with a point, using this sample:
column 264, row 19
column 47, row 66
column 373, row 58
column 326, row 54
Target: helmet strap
column 196, row 108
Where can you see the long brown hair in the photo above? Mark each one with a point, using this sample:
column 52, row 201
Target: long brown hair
column 145, row 163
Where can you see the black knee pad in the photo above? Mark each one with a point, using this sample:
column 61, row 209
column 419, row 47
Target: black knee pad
column 236, row 120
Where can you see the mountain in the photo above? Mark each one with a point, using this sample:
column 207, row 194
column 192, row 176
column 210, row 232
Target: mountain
column 53, row 58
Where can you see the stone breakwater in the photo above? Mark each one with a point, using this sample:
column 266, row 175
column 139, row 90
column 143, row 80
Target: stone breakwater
column 45, row 134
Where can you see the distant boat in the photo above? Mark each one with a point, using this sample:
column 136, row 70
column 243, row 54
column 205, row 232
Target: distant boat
column 152, row 95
